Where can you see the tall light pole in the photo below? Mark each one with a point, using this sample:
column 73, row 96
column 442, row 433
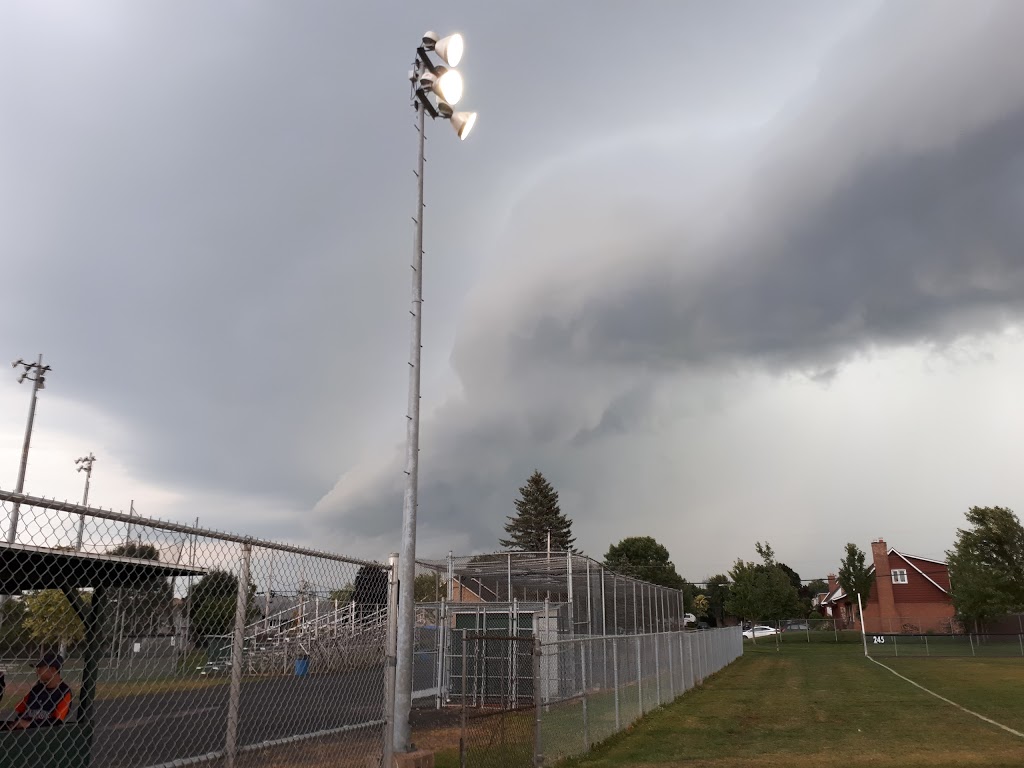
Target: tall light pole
column 84, row 465
column 36, row 373
column 427, row 79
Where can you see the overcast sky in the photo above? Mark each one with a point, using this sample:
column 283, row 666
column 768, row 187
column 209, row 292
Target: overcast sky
column 724, row 272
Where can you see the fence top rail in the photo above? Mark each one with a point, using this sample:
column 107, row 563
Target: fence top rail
column 167, row 525
column 593, row 638
column 542, row 571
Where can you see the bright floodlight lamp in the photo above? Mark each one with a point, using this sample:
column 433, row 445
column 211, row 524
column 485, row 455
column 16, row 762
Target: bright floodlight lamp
column 450, row 48
column 445, row 83
column 463, row 123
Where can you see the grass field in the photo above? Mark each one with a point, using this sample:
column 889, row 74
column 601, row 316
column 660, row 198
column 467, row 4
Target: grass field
column 991, row 687
column 826, row 705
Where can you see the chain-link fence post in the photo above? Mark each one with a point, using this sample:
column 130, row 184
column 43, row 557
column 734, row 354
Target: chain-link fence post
column 241, row 607
column 538, row 755
column 462, row 723
column 689, row 655
column 442, row 643
column 682, row 660
column 615, row 681
column 671, row 669
column 390, row 662
column 639, row 674
column 657, row 669
column 583, row 681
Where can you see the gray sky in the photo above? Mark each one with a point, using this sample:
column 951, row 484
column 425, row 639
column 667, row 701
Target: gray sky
column 724, row 272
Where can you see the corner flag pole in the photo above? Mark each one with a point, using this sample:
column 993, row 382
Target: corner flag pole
column 863, row 635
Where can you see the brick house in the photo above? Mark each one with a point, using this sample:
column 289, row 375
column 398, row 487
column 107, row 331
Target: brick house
column 910, row 594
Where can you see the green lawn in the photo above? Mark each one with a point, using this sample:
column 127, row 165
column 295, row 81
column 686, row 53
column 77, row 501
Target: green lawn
column 989, row 686
column 826, row 705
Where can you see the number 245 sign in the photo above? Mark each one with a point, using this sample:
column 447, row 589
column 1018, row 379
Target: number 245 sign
column 878, row 639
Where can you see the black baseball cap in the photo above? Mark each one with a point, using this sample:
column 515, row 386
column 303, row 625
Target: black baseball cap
column 54, row 660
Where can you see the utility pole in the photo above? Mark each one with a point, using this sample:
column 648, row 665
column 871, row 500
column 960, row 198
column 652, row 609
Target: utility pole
column 84, row 465
column 36, row 373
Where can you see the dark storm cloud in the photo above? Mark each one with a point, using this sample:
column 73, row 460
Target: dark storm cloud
column 883, row 208
column 911, row 248
column 206, row 207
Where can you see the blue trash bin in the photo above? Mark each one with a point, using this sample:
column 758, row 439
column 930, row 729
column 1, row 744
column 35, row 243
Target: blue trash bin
column 302, row 666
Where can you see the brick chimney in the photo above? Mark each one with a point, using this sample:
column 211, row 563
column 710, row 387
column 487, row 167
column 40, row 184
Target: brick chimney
column 833, row 584
column 882, row 588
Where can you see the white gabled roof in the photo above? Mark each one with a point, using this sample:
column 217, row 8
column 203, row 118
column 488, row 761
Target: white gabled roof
column 894, row 551
column 918, row 557
column 904, row 558
column 831, row 597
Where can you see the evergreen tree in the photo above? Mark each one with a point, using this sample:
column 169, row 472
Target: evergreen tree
column 537, row 514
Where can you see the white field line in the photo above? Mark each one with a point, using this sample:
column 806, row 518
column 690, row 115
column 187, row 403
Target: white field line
column 943, row 698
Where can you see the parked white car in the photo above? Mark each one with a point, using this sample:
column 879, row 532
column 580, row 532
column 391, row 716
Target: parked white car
column 760, row 631
column 689, row 618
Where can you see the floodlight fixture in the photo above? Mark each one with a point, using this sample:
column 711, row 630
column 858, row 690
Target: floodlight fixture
column 449, row 48
column 463, row 123
column 445, row 83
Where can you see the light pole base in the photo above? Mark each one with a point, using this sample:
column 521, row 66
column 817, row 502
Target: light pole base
column 421, row 758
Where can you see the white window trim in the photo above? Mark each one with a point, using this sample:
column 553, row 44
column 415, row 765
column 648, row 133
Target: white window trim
column 897, row 573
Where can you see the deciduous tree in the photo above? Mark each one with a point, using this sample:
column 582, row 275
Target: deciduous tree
column 642, row 557
column 855, row 576
column 50, row 619
column 986, row 565
column 212, row 604
column 761, row 591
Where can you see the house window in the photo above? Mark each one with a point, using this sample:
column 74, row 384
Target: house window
column 899, row 575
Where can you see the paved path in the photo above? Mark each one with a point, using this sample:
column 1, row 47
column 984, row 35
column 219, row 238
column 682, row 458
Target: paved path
column 145, row 730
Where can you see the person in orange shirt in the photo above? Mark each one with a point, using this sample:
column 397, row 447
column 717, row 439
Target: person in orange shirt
column 49, row 700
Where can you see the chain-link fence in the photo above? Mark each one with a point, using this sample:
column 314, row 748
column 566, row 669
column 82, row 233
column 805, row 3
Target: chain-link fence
column 526, row 700
column 894, row 636
column 557, row 594
column 494, row 684
column 965, row 644
column 818, row 629
column 132, row 643
column 590, row 599
column 590, row 688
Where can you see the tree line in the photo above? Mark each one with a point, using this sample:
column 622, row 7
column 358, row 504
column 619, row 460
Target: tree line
column 986, row 573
